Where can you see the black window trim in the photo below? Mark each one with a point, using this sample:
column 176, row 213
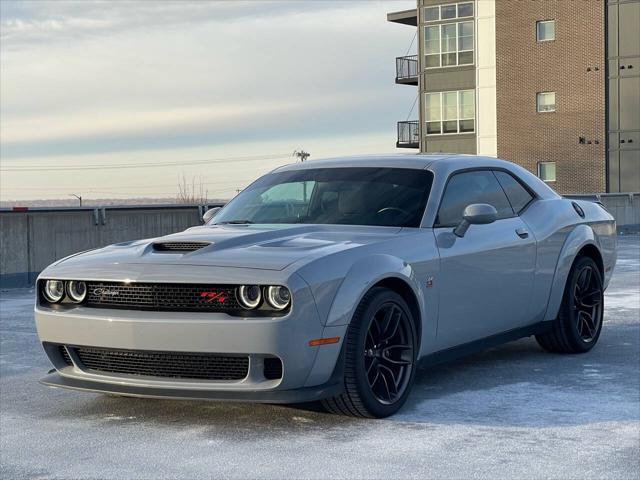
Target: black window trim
column 482, row 169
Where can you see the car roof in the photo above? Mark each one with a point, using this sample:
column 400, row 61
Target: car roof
column 441, row 164
column 419, row 161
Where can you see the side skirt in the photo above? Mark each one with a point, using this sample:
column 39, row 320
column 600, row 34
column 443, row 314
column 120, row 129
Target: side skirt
column 476, row 346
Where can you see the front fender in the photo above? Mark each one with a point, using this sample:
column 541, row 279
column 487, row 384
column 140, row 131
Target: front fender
column 362, row 275
column 580, row 236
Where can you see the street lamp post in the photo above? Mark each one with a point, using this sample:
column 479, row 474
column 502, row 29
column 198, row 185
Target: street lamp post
column 79, row 197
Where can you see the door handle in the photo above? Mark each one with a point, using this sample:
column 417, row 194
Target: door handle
column 522, row 232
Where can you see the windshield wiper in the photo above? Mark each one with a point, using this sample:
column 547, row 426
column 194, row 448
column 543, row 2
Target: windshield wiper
column 235, row 222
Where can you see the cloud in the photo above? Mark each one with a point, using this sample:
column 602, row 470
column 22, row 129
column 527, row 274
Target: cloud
column 194, row 72
column 39, row 21
column 131, row 79
column 222, row 117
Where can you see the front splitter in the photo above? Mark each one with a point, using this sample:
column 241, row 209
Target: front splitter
column 300, row 395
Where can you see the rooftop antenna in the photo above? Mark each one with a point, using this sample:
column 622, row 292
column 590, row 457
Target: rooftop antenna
column 301, row 154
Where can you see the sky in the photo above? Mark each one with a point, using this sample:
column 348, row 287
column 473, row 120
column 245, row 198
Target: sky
column 122, row 99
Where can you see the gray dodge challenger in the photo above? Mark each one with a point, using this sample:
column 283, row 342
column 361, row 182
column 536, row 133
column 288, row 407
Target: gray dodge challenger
column 332, row 281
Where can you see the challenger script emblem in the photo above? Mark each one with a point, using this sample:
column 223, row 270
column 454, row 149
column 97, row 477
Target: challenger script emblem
column 213, row 296
column 105, row 292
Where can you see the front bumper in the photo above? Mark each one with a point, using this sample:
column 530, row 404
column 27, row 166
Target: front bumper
column 308, row 373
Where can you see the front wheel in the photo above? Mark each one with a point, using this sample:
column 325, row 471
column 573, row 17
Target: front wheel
column 380, row 357
column 579, row 323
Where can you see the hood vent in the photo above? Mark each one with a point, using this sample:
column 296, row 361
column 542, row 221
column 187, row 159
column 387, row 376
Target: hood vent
column 179, row 246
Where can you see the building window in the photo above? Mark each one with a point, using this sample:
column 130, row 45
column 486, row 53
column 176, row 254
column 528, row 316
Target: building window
column 448, row 12
column 546, row 30
column 547, row 171
column 448, row 44
column 450, row 112
column 432, row 14
column 546, row 102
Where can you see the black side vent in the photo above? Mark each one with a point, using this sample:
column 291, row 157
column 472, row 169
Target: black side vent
column 179, row 246
column 272, row 368
column 65, row 355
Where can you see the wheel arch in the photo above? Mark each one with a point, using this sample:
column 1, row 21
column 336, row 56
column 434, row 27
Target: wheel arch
column 591, row 251
column 580, row 242
column 376, row 270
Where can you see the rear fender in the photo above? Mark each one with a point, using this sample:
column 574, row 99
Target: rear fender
column 580, row 236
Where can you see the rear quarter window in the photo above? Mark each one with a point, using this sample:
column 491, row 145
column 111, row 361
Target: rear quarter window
column 517, row 194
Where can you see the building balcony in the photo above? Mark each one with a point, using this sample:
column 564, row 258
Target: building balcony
column 406, row 17
column 407, row 70
column 408, row 134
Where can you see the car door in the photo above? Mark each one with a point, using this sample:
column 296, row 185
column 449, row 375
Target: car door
column 486, row 276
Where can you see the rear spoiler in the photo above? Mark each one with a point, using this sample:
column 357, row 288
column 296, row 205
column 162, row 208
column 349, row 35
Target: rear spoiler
column 597, row 199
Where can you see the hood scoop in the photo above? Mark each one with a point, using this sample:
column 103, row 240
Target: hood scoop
column 179, row 247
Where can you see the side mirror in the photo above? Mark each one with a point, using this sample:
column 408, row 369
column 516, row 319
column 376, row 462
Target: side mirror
column 209, row 214
column 476, row 214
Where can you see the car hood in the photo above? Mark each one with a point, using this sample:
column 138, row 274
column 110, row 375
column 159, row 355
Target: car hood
column 265, row 247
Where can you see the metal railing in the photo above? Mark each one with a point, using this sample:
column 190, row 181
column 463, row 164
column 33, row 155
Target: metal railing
column 407, row 69
column 408, row 134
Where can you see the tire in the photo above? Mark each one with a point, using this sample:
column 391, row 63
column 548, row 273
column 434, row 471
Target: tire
column 372, row 374
column 579, row 322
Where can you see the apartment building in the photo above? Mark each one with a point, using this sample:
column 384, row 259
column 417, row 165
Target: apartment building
column 551, row 85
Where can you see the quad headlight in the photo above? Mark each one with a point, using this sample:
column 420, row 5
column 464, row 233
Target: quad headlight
column 272, row 297
column 249, row 296
column 278, row 297
column 53, row 290
column 76, row 291
column 56, row 291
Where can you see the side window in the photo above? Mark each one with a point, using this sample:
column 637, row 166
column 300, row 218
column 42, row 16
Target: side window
column 463, row 189
column 518, row 196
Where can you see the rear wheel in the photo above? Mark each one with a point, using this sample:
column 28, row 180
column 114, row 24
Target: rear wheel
column 579, row 322
column 380, row 357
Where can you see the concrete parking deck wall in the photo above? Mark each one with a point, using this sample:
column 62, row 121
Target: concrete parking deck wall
column 30, row 240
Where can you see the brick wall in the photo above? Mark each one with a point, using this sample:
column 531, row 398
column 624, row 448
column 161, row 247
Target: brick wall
column 525, row 67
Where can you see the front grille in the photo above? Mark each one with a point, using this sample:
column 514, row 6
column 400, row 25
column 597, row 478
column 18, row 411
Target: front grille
column 199, row 366
column 162, row 296
column 179, row 246
column 272, row 368
column 65, row 355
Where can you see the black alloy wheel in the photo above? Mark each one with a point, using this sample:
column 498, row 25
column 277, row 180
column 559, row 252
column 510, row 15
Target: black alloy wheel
column 388, row 353
column 579, row 323
column 587, row 303
column 380, row 357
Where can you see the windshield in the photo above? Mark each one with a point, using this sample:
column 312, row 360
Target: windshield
column 392, row 197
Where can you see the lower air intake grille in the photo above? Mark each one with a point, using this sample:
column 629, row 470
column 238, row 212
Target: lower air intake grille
column 272, row 368
column 200, row 366
column 179, row 246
